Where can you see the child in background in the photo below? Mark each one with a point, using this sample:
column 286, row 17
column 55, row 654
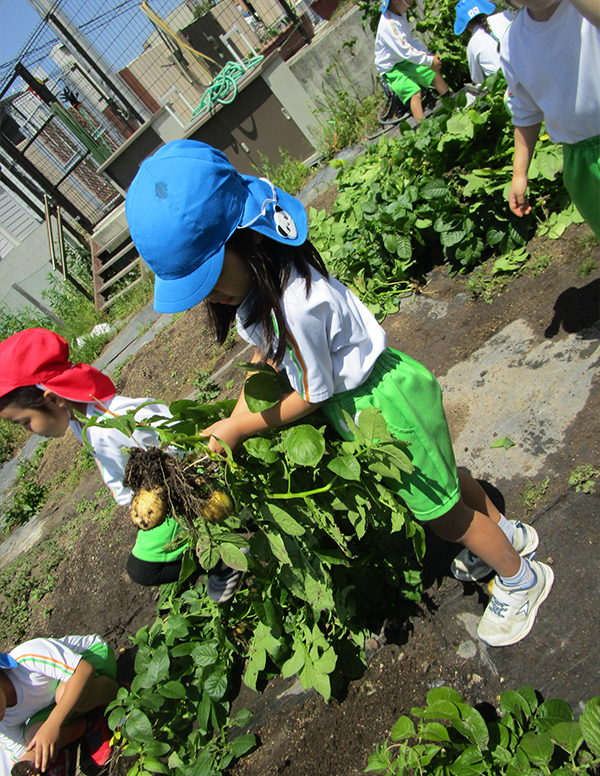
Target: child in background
column 40, row 389
column 240, row 243
column 550, row 57
column 483, row 50
column 45, row 687
column 402, row 60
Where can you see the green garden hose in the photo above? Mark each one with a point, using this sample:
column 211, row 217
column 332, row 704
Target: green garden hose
column 224, row 87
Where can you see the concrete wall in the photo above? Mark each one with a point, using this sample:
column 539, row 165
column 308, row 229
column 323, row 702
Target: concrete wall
column 351, row 68
column 28, row 265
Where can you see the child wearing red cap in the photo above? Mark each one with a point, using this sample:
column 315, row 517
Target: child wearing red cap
column 40, row 389
column 45, row 687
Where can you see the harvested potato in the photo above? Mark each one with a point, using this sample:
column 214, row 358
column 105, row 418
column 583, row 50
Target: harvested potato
column 218, row 507
column 149, row 508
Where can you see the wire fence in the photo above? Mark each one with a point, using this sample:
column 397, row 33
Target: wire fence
column 93, row 71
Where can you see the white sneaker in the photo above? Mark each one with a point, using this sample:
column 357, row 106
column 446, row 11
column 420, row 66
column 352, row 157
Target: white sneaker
column 469, row 568
column 510, row 614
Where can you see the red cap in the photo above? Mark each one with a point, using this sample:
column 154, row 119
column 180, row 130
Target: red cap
column 41, row 357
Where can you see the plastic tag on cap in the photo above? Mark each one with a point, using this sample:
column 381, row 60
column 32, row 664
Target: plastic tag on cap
column 284, row 223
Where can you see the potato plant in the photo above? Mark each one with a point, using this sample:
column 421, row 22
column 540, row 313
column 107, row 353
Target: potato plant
column 437, row 195
column 330, row 549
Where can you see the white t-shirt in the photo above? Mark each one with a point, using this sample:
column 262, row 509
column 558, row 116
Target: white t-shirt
column 107, row 443
column 333, row 341
column 553, row 73
column 42, row 665
column 483, row 51
column 395, row 43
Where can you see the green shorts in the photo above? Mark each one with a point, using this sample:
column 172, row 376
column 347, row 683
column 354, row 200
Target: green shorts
column 410, row 399
column 581, row 174
column 102, row 658
column 149, row 545
column 406, row 78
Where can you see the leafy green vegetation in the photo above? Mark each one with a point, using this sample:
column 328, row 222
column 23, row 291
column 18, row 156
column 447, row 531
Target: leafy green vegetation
column 325, row 534
column 28, row 497
column 12, row 438
column 533, row 493
column 584, row 478
column 437, row 195
column 452, row 738
column 290, row 174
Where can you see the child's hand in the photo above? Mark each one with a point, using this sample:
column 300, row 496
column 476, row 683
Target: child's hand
column 228, row 430
column 516, row 197
column 44, row 744
column 437, row 63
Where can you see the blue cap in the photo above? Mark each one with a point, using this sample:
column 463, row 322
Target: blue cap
column 469, row 9
column 6, row 661
column 384, row 5
column 185, row 203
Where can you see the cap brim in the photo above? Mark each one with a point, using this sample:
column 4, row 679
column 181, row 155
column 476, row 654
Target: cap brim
column 179, row 294
column 6, row 661
column 260, row 191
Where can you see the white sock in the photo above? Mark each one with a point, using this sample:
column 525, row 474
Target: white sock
column 524, row 579
column 508, row 527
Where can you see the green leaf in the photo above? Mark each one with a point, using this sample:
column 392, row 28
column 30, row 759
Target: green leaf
column 155, row 766
column 434, row 189
column 505, row 442
column 282, row 519
column 233, row 557
column 261, row 448
column 404, row 728
column 469, row 763
column 158, row 668
column 138, row 727
column 172, row 690
column 404, row 247
column 538, row 747
column 390, row 243
column 345, row 466
column 304, row 445
column 551, row 712
column 262, row 390
column 514, row 703
column 443, row 694
column 215, row 685
column 242, row 744
column 434, row 731
column 567, row 735
column 590, row 725
column 205, row 654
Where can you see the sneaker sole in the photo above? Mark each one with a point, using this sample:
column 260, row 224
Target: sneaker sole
column 549, row 575
column 532, row 545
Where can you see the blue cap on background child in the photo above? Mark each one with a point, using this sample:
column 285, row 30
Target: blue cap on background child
column 185, row 203
column 6, row 661
column 469, row 9
column 384, row 5
column 41, row 357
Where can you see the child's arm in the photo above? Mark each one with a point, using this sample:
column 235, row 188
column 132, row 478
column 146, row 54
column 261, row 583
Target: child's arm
column 590, row 9
column 241, row 425
column 44, row 741
column 525, row 140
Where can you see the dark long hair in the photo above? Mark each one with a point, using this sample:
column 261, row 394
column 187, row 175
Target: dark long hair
column 482, row 21
column 271, row 264
column 28, row 397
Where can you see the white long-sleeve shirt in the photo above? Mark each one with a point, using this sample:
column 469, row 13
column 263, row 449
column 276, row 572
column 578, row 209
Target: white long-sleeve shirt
column 395, row 43
column 553, row 73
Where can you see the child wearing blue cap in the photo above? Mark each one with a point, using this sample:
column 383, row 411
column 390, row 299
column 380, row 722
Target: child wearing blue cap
column 240, row 244
column 46, row 685
column 550, row 58
column 403, row 60
column 487, row 30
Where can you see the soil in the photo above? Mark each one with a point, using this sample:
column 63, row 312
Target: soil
column 91, row 592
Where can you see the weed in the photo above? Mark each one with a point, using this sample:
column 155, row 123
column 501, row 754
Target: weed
column 28, row 496
column 583, row 478
column 586, row 267
column 229, row 384
column 484, row 286
column 207, row 389
column 85, row 506
column 587, row 242
column 290, row 175
column 538, row 264
column 118, row 370
column 25, row 582
column 533, row 493
column 12, row 439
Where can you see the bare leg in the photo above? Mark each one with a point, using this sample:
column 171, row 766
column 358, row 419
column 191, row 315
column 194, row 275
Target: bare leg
column 99, row 691
column 475, row 525
column 416, row 107
column 439, row 84
column 475, row 496
column 69, row 733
